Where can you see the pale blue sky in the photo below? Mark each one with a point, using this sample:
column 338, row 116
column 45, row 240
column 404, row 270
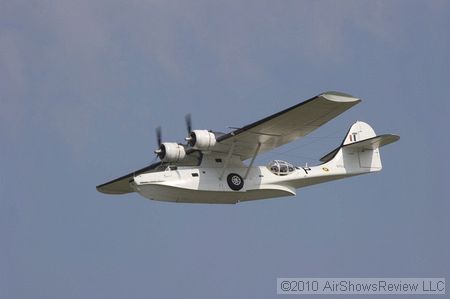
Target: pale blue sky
column 83, row 84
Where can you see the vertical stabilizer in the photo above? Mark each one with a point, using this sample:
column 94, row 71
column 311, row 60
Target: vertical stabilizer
column 358, row 131
column 359, row 151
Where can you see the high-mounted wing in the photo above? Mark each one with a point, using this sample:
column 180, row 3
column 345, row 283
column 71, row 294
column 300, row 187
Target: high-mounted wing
column 285, row 126
column 258, row 137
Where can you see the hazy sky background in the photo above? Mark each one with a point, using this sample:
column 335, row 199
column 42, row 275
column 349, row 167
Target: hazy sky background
column 83, row 84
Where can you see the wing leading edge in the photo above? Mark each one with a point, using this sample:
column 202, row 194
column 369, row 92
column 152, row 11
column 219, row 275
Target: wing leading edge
column 287, row 125
column 122, row 185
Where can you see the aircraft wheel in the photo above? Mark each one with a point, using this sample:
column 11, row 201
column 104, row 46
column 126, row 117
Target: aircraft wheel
column 235, row 181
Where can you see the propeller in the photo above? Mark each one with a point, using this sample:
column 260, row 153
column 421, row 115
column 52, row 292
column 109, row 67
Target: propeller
column 159, row 151
column 189, row 129
column 188, row 123
column 158, row 136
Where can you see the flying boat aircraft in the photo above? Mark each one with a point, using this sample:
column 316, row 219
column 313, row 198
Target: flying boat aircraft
column 210, row 167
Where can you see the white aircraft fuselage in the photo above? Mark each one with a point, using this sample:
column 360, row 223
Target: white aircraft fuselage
column 208, row 183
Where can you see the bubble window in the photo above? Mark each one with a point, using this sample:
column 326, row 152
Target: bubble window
column 279, row 167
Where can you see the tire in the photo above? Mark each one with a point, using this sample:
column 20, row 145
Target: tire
column 235, row 181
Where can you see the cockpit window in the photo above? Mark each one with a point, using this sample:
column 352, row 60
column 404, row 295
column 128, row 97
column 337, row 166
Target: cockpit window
column 279, row 167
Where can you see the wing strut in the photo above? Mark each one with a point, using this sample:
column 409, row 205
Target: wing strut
column 253, row 160
column 230, row 152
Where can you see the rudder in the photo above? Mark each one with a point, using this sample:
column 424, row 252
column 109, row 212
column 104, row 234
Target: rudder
column 359, row 151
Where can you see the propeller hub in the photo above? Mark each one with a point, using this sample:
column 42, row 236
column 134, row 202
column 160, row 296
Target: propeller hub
column 191, row 139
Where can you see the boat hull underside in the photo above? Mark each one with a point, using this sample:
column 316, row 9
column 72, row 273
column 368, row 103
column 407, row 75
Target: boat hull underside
column 183, row 195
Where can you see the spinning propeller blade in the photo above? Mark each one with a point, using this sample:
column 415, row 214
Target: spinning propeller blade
column 188, row 123
column 158, row 136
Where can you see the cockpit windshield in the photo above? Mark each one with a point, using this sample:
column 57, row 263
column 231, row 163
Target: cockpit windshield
column 279, row 167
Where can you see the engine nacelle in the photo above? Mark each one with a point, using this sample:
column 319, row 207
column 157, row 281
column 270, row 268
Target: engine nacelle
column 171, row 152
column 202, row 139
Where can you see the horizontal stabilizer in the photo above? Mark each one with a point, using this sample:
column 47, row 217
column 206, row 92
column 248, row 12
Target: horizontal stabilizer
column 374, row 142
column 366, row 144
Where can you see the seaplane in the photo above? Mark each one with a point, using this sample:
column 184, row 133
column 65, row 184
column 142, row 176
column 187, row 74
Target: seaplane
column 217, row 168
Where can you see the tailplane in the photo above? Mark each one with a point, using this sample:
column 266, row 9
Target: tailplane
column 359, row 151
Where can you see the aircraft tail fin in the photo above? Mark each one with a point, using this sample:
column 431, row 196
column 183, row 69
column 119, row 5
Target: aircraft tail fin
column 359, row 151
